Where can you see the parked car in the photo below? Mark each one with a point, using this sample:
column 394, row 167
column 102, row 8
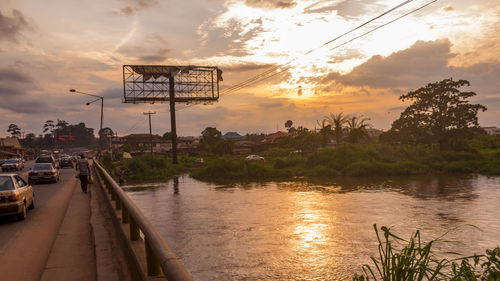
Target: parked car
column 15, row 196
column 66, row 162
column 47, row 159
column 254, row 158
column 12, row 164
column 43, row 172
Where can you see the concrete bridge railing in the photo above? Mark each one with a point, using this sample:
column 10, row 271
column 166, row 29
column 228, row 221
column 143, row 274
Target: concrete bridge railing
column 158, row 255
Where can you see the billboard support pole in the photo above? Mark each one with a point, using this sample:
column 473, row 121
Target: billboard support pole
column 172, row 117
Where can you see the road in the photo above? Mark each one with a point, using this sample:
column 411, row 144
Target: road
column 25, row 245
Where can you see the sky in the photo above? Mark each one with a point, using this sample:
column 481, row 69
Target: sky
column 49, row 47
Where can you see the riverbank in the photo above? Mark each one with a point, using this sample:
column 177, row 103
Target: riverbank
column 344, row 160
column 354, row 161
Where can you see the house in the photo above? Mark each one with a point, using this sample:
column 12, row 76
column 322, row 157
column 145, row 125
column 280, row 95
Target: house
column 491, row 130
column 10, row 147
column 271, row 138
column 142, row 143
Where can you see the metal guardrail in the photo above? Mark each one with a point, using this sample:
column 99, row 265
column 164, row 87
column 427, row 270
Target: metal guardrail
column 159, row 256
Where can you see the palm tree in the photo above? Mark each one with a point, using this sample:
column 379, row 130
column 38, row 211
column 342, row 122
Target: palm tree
column 337, row 121
column 325, row 131
column 356, row 126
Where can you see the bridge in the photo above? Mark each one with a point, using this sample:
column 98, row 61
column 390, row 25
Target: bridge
column 70, row 235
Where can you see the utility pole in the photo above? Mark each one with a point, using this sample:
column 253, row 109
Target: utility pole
column 150, row 132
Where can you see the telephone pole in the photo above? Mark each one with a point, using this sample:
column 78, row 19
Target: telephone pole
column 150, row 132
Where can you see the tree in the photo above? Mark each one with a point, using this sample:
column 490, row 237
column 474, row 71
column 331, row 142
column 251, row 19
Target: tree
column 325, row 131
column 288, row 124
column 356, row 128
column 48, row 126
column 167, row 136
column 440, row 113
column 211, row 135
column 337, row 121
column 14, row 130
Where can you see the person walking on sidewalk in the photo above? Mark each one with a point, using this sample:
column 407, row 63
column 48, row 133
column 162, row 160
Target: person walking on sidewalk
column 83, row 165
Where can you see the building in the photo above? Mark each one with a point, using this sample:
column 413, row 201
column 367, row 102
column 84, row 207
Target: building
column 142, row 143
column 271, row 138
column 492, row 130
column 10, row 147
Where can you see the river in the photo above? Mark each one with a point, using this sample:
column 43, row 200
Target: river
column 315, row 231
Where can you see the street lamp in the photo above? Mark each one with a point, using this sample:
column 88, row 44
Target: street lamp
column 88, row 103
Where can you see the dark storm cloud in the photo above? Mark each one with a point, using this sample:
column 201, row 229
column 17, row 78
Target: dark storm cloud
column 271, row 4
column 135, row 6
column 9, row 75
column 11, row 27
column 14, row 93
column 420, row 64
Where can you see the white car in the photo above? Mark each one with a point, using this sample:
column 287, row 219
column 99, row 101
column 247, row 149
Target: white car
column 15, row 196
column 254, row 158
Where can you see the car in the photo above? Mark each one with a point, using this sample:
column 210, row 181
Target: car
column 66, row 162
column 43, row 172
column 254, row 158
column 16, row 196
column 12, row 164
column 47, row 159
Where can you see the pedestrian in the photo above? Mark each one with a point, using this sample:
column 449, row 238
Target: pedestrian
column 83, row 165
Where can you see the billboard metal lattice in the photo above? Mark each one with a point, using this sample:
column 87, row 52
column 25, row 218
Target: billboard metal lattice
column 151, row 83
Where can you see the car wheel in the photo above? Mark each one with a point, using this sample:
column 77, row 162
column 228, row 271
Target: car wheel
column 32, row 206
column 22, row 216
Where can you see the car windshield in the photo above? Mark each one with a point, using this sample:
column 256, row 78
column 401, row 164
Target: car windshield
column 44, row 160
column 11, row 161
column 6, row 183
column 42, row 166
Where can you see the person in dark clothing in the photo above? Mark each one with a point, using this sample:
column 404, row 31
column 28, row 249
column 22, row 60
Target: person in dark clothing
column 83, row 165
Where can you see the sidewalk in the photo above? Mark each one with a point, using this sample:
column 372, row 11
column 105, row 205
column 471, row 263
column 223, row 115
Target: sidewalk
column 83, row 249
column 72, row 257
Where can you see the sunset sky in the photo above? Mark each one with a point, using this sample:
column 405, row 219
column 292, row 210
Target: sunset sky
column 48, row 47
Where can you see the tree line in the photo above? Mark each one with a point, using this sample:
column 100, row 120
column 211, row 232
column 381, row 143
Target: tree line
column 52, row 132
column 440, row 115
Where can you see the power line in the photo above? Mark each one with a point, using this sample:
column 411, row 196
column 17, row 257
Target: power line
column 284, row 67
column 248, row 81
column 270, row 74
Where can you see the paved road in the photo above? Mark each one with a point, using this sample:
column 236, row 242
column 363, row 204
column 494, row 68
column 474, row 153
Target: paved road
column 25, row 245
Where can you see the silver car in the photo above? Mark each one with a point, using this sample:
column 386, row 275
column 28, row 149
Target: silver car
column 15, row 196
column 43, row 172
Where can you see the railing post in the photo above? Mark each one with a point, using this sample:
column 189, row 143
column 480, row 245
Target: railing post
column 118, row 203
column 134, row 230
column 125, row 215
column 154, row 268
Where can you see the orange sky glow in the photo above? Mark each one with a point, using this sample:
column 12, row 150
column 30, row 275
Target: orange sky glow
column 46, row 48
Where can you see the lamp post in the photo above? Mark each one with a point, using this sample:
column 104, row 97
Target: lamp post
column 88, row 103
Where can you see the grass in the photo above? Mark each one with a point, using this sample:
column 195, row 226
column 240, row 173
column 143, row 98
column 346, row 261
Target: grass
column 416, row 262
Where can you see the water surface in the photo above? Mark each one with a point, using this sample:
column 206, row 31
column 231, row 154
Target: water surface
column 314, row 231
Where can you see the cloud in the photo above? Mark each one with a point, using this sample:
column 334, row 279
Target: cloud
column 11, row 27
column 420, row 64
column 345, row 9
column 242, row 67
column 271, row 4
column 136, row 6
column 14, row 92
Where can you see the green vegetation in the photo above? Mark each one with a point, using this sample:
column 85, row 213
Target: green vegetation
column 147, row 167
column 416, row 261
column 354, row 160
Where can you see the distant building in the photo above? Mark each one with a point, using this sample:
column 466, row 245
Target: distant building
column 10, row 147
column 232, row 136
column 491, row 130
column 271, row 138
column 373, row 133
column 142, row 143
